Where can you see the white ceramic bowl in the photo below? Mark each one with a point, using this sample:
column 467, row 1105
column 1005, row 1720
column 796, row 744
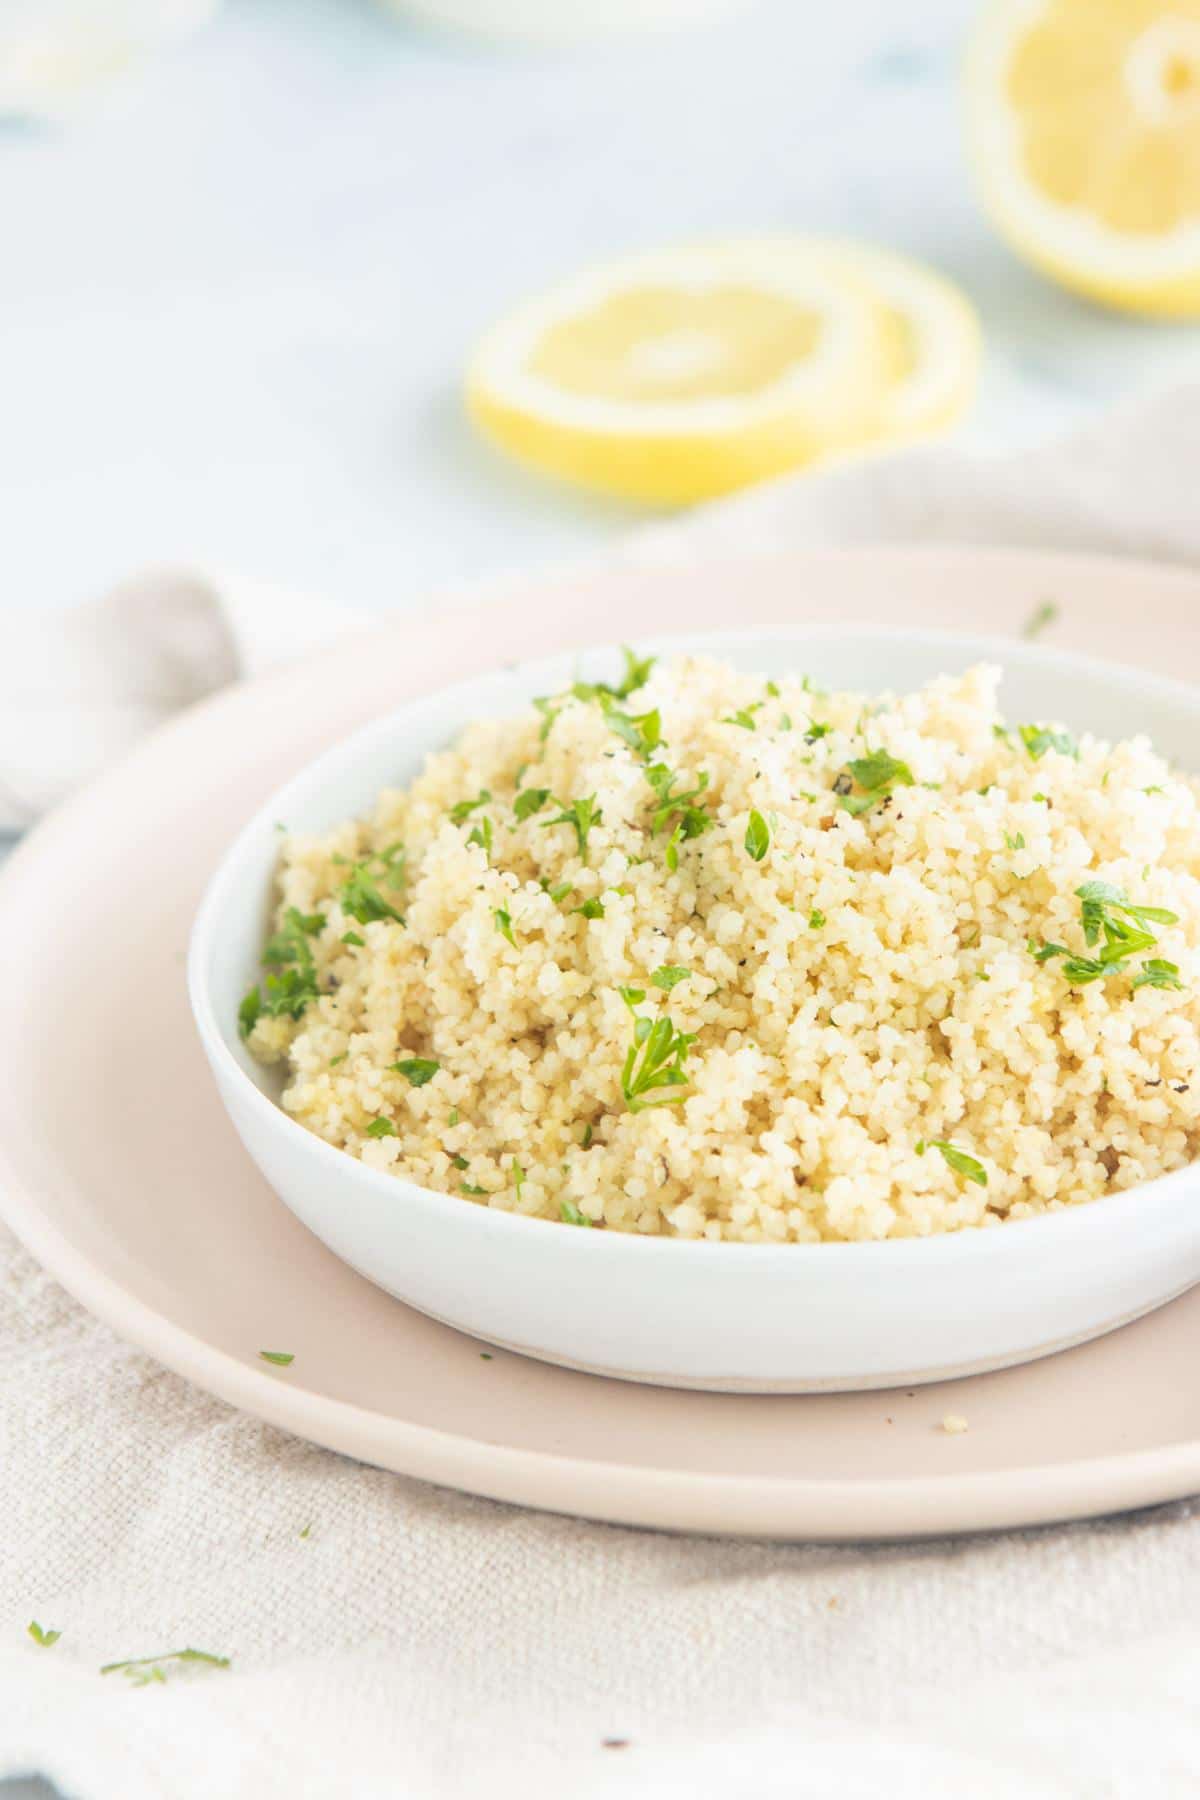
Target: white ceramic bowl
column 757, row 1318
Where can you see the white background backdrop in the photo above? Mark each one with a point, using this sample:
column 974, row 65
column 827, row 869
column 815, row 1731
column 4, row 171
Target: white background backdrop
column 236, row 300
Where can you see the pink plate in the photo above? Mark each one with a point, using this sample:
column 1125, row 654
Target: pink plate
column 121, row 1173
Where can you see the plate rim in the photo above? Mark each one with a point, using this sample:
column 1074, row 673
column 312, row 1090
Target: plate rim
column 765, row 1506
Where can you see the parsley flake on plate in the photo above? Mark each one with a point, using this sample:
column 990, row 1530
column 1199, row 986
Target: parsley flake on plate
column 47, row 1639
column 281, row 1358
column 1040, row 619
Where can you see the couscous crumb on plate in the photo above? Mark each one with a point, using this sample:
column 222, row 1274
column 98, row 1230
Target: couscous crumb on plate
column 706, row 955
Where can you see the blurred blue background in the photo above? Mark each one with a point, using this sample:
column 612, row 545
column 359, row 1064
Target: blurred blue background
column 239, row 289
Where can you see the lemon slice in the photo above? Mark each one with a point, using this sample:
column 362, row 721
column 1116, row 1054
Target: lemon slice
column 931, row 342
column 675, row 376
column 1084, row 122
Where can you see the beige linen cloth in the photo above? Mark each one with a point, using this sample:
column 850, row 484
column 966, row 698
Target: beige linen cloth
column 423, row 1643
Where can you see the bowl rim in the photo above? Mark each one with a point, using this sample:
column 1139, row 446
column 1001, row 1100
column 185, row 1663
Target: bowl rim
column 968, row 1242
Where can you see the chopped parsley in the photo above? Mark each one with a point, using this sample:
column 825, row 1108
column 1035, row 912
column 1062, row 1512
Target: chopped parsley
column 482, row 835
column 518, row 1175
column 461, row 813
column 1154, row 972
column 503, row 921
column 744, row 716
column 758, row 836
column 381, row 1128
column 876, row 776
column 964, row 1164
column 281, row 1358
column 643, row 734
column 418, row 1069
column 362, row 899
column 571, row 1214
column 678, row 804
column 1038, row 739
column 290, row 943
column 339, row 1058
column 581, row 816
column 1040, row 619
column 353, row 938
column 816, row 919
column 669, row 977
column 469, row 1187
column 653, row 1069
column 530, row 801
column 637, row 673
column 1101, row 901
column 559, row 892
column 591, row 909
column 550, row 713
column 815, row 731
column 1015, row 840
column 291, row 982
column 1121, row 929
column 143, row 1670
column 47, row 1639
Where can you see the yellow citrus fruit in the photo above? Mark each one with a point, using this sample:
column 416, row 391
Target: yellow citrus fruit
column 1084, row 120
column 931, row 342
column 683, row 374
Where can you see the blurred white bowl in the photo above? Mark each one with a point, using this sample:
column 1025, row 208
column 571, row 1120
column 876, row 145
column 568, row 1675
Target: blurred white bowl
column 751, row 1317
column 563, row 21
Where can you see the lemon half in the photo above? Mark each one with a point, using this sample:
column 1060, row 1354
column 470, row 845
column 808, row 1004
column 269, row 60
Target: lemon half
column 1084, row 122
column 684, row 374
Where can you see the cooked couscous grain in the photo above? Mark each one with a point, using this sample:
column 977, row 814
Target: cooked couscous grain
column 708, row 956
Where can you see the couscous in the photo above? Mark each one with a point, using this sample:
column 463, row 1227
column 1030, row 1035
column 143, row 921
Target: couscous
column 700, row 954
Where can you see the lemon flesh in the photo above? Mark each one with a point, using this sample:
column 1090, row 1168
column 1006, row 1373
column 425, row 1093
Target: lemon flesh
column 1085, row 129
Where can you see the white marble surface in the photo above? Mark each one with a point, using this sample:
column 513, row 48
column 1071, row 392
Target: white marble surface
column 236, row 300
